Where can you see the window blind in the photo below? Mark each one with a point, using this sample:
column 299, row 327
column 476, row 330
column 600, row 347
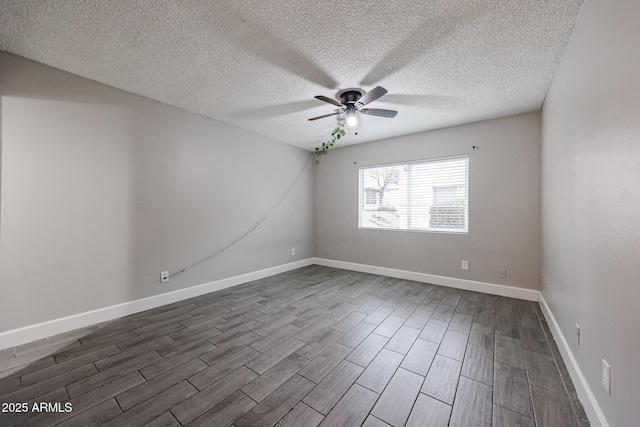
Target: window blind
column 427, row 195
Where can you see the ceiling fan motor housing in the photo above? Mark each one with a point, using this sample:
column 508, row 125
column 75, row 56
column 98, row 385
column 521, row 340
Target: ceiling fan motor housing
column 350, row 97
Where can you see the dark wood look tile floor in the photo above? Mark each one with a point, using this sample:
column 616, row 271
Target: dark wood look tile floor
column 312, row 347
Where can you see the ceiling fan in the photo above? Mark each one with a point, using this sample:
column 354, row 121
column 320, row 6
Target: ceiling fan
column 353, row 100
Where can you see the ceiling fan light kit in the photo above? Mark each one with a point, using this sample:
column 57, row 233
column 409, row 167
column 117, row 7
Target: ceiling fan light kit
column 352, row 120
column 351, row 103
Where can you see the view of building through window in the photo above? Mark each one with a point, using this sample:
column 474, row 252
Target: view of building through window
column 430, row 195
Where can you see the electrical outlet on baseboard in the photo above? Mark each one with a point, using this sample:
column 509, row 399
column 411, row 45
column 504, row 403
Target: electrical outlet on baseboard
column 465, row 265
column 578, row 333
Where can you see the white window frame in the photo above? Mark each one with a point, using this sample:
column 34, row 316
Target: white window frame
column 415, row 230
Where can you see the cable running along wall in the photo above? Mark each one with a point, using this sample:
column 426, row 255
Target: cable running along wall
column 254, row 226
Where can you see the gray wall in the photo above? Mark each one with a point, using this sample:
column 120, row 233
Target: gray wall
column 101, row 190
column 591, row 200
column 504, row 204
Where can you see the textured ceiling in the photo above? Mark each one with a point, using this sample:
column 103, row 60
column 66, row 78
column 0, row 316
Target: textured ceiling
column 258, row 64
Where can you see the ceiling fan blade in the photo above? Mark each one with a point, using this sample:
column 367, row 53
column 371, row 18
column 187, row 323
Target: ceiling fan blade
column 329, row 100
column 371, row 96
column 322, row 117
column 379, row 112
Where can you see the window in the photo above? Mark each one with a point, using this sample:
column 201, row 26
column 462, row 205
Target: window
column 444, row 194
column 371, row 197
column 429, row 195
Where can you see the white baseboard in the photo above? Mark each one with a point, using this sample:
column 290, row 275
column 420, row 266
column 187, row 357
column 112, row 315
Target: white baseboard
column 452, row 282
column 38, row 331
column 586, row 396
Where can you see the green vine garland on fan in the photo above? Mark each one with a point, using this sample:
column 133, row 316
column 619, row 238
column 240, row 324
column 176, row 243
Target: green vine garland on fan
column 337, row 133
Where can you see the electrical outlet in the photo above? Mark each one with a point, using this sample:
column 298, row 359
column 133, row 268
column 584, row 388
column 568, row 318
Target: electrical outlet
column 465, row 265
column 293, row 251
column 578, row 333
column 503, row 273
column 606, row 376
column 164, row 277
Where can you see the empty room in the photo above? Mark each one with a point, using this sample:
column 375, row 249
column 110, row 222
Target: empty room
column 297, row 213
